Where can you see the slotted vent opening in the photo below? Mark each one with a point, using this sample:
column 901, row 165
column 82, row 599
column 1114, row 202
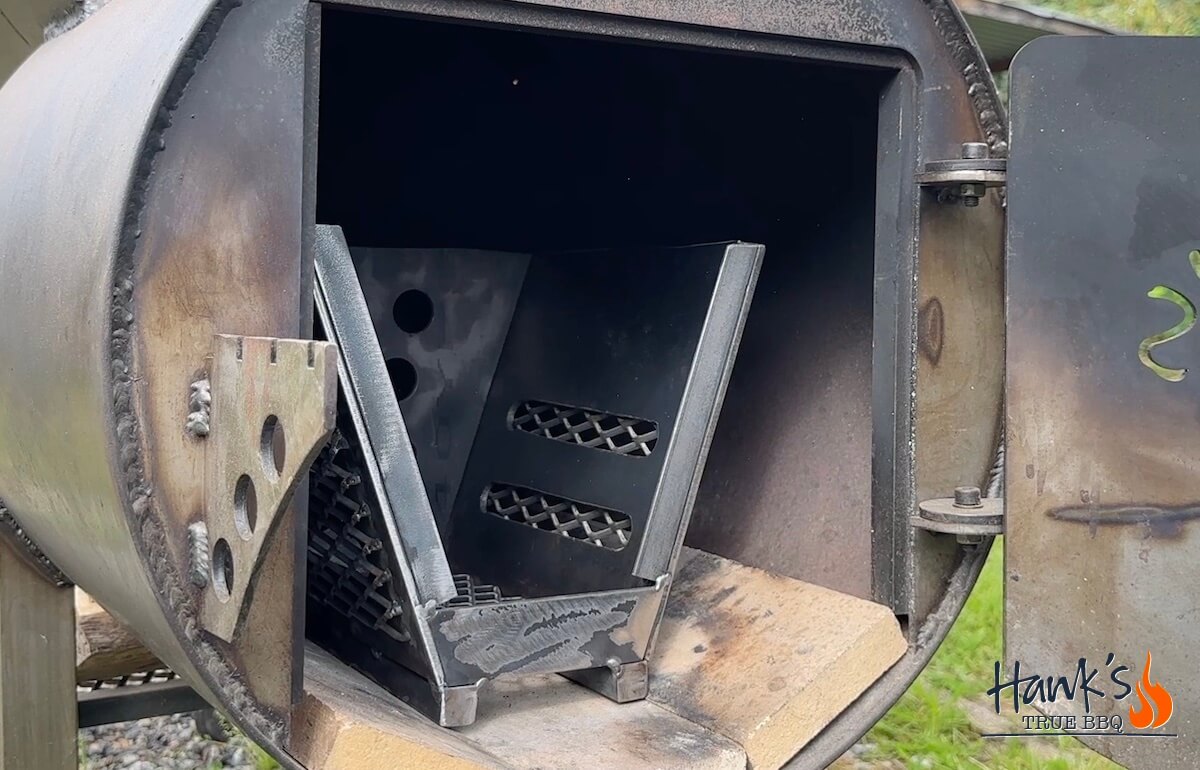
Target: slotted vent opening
column 631, row 436
column 549, row 513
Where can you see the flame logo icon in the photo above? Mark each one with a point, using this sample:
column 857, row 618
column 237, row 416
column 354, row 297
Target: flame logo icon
column 1155, row 703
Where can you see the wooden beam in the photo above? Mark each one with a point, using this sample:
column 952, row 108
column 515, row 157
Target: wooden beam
column 346, row 722
column 548, row 721
column 104, row 648
column 37, row 671
column 748, row 667
column 765, row 660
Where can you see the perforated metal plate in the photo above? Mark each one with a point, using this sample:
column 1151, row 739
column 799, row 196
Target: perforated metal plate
column 448, row 347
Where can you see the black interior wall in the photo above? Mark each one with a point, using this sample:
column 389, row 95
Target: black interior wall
column 441, row 135
column 434, row 134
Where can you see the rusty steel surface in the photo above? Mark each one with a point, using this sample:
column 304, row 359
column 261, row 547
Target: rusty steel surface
column 218, row 253
column 273, row 407
column 1100, row 555
column 64, row 209
column 80, row 470
column 128, row 237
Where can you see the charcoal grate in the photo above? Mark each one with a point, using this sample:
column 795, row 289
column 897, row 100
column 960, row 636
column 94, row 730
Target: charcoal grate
column 569, row 518
column 347, row 566
column 631, row 436
column 472, row 593
column 154, row 676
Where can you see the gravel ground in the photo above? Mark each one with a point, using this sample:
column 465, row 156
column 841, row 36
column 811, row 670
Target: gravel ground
column 160, row 743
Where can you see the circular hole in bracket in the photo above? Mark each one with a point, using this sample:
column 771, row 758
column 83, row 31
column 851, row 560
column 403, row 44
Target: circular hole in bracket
column 273, row 446
column 222, row 569
column 245, row 507
column 403, row 376
column 413, row 311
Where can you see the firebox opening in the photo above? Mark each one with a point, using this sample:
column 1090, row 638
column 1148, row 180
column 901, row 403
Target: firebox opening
column 439, row 135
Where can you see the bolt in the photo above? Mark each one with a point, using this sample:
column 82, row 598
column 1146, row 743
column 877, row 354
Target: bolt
column 976, row 150
column 967, row 497
column 971, row 193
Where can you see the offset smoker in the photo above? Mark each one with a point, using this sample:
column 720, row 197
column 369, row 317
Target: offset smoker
column 519, row 358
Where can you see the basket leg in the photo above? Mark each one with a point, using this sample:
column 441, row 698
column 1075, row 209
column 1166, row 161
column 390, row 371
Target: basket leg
column 37, row 669
column 620, row 682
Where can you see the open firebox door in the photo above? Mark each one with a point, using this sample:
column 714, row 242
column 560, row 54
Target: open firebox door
column 1103, row 462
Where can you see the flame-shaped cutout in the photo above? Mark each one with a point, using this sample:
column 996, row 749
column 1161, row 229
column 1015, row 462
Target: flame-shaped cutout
column 1156, row 705
column 1175, row 332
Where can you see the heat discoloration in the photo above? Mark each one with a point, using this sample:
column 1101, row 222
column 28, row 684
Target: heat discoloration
column 931, row 330
column 131, row 419
column 765, row 660
column 197, row 263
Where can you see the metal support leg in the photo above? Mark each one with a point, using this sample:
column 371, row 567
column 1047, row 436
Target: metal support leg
column 37, row 669
column 621, row 682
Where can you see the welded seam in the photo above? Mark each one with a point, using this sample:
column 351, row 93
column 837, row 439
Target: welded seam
column 11, row 530
column 148, row 529
column 980, row 87
column 71, row 18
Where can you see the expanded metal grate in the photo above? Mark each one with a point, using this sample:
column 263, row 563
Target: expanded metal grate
column 609, row 432
column 471, row 593
column 153, row 676
column 569, row 518
column 347, row 567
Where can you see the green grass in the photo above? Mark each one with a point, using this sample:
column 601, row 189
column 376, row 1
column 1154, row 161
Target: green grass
column 1147, row 17
column 262, row 760
column 929, row 727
